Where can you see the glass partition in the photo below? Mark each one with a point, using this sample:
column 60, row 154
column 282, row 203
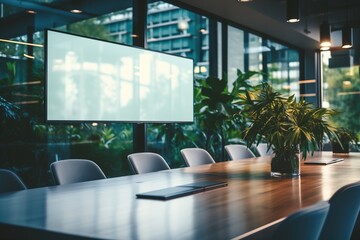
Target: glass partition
column 250, row 52
column 175, row 30
column 341, row 91
column 171, row 29
column 28, row 144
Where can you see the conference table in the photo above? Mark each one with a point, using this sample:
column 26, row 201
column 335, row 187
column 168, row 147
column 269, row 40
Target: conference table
column 110, row 209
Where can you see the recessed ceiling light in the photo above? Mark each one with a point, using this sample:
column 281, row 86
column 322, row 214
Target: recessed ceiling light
column 245, row 0
column 77, row 11
column 31, row 11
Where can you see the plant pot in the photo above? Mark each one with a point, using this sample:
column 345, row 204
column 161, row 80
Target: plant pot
column 285, row 163
column 336, row 147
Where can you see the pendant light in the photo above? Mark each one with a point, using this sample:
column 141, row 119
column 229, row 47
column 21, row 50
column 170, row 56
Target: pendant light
column 325, row 40
column 292, row 11
column 75, row 7
column 346, row 36
column 347, row 33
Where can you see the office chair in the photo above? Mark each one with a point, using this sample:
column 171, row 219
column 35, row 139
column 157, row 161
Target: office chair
column 146, row 162
column 356, row 232
column 238, row 151
column 196, row 156
column 262, row 149
column 344, row 210
column 75, row 170
column 10, row 182
column 303, row 224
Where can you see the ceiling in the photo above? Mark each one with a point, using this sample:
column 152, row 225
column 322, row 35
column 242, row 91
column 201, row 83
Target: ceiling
column 313, row 13
column 50, row 13
column 265, row 16
column 269, row 16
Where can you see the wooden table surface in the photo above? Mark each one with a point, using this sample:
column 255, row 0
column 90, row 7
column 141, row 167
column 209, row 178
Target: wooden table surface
column 109, row 209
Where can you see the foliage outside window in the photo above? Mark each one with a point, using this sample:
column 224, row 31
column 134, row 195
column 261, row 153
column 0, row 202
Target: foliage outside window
column 341, row 91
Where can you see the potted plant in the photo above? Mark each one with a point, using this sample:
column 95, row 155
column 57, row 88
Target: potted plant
column 345, row 137
column 216, row 107
column 289, row 126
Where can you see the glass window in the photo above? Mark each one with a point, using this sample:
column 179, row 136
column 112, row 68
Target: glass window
column 154, row 45
column 205, row 57
column 341, row 89
column 186, row 40
column 165, row 16
column 156, row 32
column 236, row 52
column 176, row 44
column 165, row 45
column 250, row 52
column 185, row 43
column 205, row 40
column 22, row 87
column 123, row 26
column 219, row 50
column 170, row 29
column 174, row 30
column 192, row 26
column 175, row 14
column 155, row 18
column 113, row 28
column 165, row 31
column 254, row 51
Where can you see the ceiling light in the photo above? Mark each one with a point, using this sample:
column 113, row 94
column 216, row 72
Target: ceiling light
column 31, row 12
column 324, row 48
column 346, row 36
column 292, row 11
column 75, row 7
column 77, row 11
column 325, row 40
column 245, row 0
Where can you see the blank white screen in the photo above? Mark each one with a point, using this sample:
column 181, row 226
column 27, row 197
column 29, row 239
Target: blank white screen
column 93, row 80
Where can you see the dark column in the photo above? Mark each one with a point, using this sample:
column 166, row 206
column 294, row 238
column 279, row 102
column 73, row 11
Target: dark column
column 265, row 56
column 139, row 40
column 246, row 54
column 213, row 48
column 224, row 43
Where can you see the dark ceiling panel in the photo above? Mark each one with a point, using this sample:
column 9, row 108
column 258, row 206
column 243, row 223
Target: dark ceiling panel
column 51, row 14
column 14, row 26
